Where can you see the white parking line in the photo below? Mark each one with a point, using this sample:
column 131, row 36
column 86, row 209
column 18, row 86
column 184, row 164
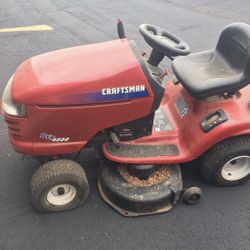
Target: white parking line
column 27, row 28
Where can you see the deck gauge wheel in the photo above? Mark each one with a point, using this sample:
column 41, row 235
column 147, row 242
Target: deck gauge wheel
column 192, row 195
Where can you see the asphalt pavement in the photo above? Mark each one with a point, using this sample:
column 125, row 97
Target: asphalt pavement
column 220, row 221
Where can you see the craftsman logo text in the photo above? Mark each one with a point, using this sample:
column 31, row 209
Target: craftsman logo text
column 124, row 90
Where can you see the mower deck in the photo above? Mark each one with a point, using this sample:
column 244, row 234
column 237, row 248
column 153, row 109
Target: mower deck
column 130, row 199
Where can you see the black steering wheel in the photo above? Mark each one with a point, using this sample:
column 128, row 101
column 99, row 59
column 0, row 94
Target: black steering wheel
column 163, row 43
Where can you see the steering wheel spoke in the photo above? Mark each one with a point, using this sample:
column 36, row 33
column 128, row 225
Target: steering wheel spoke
column 180, row 45
column 156, row 31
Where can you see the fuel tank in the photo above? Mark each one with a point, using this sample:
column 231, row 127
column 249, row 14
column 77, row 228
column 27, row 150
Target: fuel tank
column 95, row 73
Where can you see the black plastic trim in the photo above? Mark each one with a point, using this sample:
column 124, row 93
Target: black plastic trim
column 155, row 85
column 207, row 127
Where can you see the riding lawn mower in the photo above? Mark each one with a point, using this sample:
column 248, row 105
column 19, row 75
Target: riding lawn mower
column 111, row 97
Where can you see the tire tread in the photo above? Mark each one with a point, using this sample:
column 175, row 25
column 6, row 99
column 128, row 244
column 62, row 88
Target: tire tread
column 52, row 172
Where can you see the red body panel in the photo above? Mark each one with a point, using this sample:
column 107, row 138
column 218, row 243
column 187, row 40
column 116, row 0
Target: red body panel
column 55, row 78
column 53, row 86
column 49, row 82
column 187, row 133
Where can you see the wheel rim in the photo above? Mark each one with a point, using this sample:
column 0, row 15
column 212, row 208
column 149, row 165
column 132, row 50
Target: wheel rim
column 236, row 169
column 62, row 194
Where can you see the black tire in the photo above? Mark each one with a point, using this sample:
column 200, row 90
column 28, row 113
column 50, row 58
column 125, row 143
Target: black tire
column 213, row 161
column 192, row 195
column 67, row 173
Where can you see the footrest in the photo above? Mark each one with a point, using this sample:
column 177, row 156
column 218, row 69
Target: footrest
column 127, row 150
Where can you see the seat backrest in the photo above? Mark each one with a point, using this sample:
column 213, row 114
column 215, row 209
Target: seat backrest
column 234, row 46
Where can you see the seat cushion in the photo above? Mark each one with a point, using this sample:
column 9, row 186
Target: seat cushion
column 207, row 73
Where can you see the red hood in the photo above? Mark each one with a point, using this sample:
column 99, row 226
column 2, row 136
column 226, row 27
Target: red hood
column 51, row 78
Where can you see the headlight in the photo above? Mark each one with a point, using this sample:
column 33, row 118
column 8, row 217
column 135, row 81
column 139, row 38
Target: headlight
column 9, row 107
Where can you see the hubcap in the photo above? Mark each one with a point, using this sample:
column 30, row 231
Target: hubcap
column 236, row 169
column 61, row 194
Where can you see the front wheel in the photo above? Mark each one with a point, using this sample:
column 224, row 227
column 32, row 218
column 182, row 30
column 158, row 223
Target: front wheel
column 227, row 163
column 58, row 186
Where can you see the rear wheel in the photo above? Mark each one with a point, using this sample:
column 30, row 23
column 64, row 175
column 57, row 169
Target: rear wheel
column 227, row 163
column 59, row 185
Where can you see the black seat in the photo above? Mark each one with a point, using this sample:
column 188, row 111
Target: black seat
column 224, row 69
